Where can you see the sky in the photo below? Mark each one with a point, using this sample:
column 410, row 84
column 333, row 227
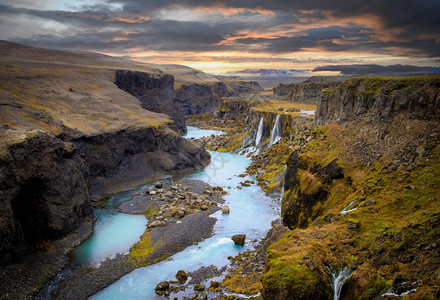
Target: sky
column 247, row 37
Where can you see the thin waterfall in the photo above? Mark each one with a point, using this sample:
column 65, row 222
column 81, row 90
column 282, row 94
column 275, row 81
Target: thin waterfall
column 259, row 133
column 276, row 132
column 337, row 280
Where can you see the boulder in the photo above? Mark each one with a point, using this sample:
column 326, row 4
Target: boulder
column 157, row 223
column 225, row 209
column 199, row 288
column 239, row 239
column 162, row 288
column 182, row 276
column 158, row 184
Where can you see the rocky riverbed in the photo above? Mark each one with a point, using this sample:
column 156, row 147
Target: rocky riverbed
column 179, row 216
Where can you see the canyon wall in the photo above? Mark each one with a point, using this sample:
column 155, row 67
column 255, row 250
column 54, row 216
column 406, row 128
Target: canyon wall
column 45, row 194
column 303, row 92
column 379, row 100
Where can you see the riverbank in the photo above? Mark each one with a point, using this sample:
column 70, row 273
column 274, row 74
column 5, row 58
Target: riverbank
column 179, row 232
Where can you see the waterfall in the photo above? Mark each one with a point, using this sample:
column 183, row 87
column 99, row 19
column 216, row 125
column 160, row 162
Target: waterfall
column 259, row 133
column 276, row 132
column 337, row 280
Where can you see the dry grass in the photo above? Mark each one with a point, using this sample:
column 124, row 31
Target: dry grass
column 278, row 106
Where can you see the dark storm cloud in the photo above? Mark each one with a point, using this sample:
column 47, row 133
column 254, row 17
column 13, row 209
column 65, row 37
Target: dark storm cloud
column 376, row 69
column 395, row 13
column 400, row 27
column 413, row 21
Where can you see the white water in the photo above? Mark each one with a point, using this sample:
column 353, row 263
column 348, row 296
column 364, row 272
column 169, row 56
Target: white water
column 283, row 174
column 337, row 280
column 259, row 133
column 307, row 112
column 276, row 132
column 251, row 213
column 346, row 209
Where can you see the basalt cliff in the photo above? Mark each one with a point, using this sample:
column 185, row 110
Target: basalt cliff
column 307, row 91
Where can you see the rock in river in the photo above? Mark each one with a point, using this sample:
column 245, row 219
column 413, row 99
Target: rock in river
column 225, row 209
column 239, row 239
column 182, row 276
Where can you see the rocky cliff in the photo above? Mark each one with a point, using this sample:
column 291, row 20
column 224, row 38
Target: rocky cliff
column 136, row 155
column 302, row 92
column 155, row 91
column 45, row 193
column 360, row 192
column 379, row 100
column 199, row 98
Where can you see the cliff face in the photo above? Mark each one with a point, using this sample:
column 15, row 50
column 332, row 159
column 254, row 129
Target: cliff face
column 303, row 92
column 155, row 91
column 45, row 194
column 200, row 98
column 137, row 154
column 379, row 100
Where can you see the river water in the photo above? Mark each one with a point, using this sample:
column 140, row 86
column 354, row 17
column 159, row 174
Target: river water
column 251, row 213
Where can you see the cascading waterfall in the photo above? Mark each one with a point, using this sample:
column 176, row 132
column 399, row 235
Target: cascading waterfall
column 276, row 132
column 259, row 133
column 337, row 280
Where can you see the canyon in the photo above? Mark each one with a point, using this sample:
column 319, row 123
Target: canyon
column 355, row 162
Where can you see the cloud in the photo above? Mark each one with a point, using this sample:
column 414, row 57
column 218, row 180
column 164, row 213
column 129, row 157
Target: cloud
column 376, row 69
column 277, row 29
column 273, row 72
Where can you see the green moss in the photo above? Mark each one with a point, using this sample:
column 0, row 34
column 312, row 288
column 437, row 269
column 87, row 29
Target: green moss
column 151, row 210
column 328, row 91
column 140, row 252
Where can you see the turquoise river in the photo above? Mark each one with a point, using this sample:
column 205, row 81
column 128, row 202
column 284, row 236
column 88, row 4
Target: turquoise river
column 251, row 213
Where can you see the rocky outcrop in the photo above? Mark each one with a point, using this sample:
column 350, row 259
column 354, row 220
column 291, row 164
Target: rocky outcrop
column 45, row 194
column 199, row 98
column 243, row 87
column 378, row 100
column 303, row 92
column 305, row 187
column 138, row 154
column 155, row 91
